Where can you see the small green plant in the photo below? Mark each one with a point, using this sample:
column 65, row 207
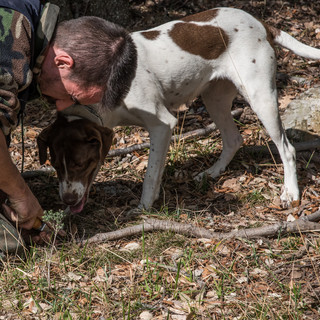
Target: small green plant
column 168, row 213
column 55, row 218
column 253, row 198
column 205, row 148
column 127, row 131
column 292, row 243
column 256, row 197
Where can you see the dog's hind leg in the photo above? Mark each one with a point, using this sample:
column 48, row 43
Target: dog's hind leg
column 264, row 102
column 218, row 99
column 255, row 80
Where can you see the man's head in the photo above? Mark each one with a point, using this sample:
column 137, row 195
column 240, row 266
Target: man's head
column 89, row 60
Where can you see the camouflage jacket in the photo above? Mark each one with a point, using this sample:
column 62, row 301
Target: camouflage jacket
column 26, row 27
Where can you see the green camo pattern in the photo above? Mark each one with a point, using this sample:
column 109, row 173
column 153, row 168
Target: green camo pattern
column 15, row 57
column 15, row 73
column 6, row 21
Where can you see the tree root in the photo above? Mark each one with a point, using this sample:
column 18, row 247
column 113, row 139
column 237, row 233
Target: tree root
column 304, row 224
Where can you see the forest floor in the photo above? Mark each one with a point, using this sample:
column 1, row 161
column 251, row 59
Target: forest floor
column 162, row 274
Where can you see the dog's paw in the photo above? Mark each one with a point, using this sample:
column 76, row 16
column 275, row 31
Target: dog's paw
column 214, row 172
column 289, row 200
column 200, row 177
column 134, row 212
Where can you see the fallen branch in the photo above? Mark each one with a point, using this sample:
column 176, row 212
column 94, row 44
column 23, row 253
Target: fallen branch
column 191, row 134
column 304, row 224
column 39, row 172
column 299, row 146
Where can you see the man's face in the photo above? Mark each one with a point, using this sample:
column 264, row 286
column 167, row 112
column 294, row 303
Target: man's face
column 54, row 82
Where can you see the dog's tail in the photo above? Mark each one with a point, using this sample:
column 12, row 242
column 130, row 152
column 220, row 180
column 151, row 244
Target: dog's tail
column 285, row 40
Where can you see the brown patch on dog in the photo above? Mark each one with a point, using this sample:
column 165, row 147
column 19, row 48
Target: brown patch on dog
column 207, row 42
column 202, row 16
column 76, row 141
column 272, row 33
column 151, row 35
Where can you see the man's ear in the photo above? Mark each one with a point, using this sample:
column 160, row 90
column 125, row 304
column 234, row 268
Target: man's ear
column 63, row 60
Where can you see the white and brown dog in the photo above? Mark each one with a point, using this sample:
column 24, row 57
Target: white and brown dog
column 213, row 54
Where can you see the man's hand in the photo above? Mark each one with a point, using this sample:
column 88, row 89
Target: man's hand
column 41, row 232
column 46, row 232
column 23, row 209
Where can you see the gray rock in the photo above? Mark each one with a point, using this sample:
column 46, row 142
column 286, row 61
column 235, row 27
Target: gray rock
column 11, row 241
column 301, row 118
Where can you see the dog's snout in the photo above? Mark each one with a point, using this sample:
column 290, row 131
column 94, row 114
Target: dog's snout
column 70, row 199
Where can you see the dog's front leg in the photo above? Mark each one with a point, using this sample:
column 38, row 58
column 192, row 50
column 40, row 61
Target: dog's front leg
column 159, row 144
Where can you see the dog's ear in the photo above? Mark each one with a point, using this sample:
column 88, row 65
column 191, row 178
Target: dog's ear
column 44, row 138
column 107, row 140
column 42, row 142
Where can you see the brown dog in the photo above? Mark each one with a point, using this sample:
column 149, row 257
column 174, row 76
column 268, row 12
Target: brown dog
column 77, row 150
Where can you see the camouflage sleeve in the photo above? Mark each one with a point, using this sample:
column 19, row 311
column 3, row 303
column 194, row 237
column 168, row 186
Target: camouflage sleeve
column 15, row 73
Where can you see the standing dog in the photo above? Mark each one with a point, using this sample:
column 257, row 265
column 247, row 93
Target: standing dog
column 214, row 54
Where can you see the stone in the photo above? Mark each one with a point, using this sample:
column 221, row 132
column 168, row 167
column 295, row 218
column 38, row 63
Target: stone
column 11, row 242
column 301, row 118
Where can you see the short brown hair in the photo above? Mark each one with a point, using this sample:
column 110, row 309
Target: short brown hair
column 104, row 55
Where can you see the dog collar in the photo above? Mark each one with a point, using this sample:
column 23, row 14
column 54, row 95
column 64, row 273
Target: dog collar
column 87, row 112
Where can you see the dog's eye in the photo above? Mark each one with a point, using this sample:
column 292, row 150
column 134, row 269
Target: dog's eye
column 93, row 141
column 76, row 163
